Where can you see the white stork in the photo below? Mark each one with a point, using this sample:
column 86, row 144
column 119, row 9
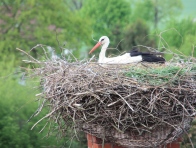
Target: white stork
column 133, row 56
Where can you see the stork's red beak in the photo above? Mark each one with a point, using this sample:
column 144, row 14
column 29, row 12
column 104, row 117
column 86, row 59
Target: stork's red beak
column 95, row 47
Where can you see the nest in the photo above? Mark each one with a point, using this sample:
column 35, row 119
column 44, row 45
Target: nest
column 135, row 105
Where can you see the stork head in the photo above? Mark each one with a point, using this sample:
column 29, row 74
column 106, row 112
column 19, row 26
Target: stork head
column 104, row 41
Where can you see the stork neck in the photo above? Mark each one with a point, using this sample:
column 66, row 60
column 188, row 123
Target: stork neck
column 102, row 53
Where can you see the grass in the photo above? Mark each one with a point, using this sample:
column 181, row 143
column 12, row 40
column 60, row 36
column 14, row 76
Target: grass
column 159, row 75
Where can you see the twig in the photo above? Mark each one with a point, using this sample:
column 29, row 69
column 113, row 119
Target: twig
column 28, row 55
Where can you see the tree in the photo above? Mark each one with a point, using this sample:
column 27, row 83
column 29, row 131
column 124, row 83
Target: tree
column 189, row 45
column 28, row 23
column 17, row 104
column 164, row 10
column 156, row 11
column 107, row 17
column 177, row 30
column 179, row 37
column 137, row 34
column 25, row 24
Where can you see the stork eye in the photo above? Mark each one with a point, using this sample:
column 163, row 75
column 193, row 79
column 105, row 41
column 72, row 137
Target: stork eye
column 102, row 39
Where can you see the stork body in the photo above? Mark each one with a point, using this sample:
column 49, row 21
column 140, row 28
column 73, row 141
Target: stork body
column 132, row 57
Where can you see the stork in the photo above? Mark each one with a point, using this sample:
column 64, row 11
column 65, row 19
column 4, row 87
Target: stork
column 132, row 57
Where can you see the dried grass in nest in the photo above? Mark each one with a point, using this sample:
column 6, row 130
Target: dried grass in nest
column 141, row 105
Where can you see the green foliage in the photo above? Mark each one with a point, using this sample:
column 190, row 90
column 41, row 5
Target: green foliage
column 137, row 34
column 17, row 104
column 156, row 11
column 107, row 17
column 178, row 31
column 106, row 14
column 24, row 25
column 28, row 23
column 189, row 45
column 74, row 5
column 180, row 38
column 15, row 132
column 143, row 10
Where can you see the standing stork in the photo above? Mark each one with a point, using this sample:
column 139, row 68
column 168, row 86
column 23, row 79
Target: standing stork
column 132, row 57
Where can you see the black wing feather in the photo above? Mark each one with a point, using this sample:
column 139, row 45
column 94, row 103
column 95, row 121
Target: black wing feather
column 146, row 56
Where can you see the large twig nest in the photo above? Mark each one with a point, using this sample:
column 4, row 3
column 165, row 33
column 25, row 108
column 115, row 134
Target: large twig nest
column 144, row 105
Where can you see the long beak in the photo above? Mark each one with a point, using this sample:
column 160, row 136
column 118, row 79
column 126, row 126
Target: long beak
column 95, row 47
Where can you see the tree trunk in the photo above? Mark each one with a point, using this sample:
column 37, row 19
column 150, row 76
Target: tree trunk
column 156, row 12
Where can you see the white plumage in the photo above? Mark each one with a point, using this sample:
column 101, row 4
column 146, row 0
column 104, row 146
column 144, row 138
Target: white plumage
column 125, row 58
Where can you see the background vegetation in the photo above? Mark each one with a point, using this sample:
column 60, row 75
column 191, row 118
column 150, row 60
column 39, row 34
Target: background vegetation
column 165, row 25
